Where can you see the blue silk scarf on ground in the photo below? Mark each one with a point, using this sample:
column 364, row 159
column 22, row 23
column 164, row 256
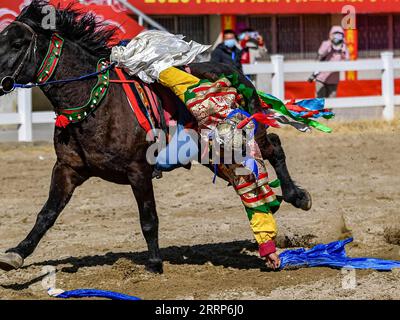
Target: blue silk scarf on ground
column 332, row 255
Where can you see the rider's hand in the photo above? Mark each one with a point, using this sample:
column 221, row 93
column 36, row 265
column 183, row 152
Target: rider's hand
column 273, row 261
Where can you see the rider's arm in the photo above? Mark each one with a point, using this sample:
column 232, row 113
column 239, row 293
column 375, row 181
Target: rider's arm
column 265, row 230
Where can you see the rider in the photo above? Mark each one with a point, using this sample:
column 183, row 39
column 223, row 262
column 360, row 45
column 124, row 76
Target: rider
column 256, row 195
column 152, row 56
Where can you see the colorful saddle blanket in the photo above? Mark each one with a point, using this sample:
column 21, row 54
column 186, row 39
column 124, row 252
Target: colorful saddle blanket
column 153, row 106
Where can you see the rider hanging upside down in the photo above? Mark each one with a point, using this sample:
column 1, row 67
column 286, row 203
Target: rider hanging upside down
column 211, row 112
column 152, row 56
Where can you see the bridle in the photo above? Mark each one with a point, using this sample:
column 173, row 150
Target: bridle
column 7, row 83
column 46, row 71
column 47, row 67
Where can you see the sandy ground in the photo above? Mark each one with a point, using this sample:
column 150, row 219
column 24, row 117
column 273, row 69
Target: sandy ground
column 209, row 253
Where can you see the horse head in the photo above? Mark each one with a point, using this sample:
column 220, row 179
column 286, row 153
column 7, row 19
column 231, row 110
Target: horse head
column 18, row 55
column 25, row 41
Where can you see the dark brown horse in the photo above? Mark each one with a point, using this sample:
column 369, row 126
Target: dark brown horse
column 110, row 143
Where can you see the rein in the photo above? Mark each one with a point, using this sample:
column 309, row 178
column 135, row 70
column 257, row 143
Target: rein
column 80, row 78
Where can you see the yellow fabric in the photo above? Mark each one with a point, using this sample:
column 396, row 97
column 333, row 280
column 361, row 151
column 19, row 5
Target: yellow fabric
column 263, row 226
column 178, row 81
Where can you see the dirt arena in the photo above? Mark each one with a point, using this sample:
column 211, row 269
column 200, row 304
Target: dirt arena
column 353, row 175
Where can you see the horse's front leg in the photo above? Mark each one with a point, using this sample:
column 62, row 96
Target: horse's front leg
column 272, row 151
column 64, row 180
column 140, row 178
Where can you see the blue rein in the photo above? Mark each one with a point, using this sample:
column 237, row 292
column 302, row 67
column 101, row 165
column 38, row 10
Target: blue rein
column 81, row 78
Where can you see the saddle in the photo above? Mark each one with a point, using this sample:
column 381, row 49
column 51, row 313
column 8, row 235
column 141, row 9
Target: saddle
column 157, row 107
column 154, row 106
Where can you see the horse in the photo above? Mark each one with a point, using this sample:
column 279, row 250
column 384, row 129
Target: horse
column 109, row 143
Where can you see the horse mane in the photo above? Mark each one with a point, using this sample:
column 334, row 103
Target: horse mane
column 83, row 28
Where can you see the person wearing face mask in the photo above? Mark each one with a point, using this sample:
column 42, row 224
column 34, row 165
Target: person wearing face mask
column 227, row 51
column 253, row 45
column 334, row 49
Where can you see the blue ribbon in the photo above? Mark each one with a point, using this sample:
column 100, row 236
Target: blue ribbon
column 316, row 104
column 81, row 78
column 251, row 164
column 332, row 255
column 215, row 173
column 312, row 104
column 85, row 293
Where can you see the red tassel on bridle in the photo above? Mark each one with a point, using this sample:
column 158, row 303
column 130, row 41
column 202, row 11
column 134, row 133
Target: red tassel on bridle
column 62, row 121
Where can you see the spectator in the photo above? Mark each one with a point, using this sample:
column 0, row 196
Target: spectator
column 253, row 46
column 334, row 49
column 227, row 51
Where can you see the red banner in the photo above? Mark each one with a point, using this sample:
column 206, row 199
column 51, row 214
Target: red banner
column 113, row 15
column 228, row 22
column 351, row 36
column 262, row 6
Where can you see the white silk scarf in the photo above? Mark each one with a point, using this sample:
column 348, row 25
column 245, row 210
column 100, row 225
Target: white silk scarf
column 153, row 51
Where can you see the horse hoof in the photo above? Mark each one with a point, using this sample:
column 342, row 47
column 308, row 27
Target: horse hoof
column 156, row 174
column 305, row 202
column 155, row 266
column 10, row 261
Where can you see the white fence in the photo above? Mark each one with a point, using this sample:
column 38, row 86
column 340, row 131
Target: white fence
column 25, row 118
column 277, row 68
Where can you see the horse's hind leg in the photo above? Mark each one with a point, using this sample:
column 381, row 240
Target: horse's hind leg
column 64, row 180
column 273, row 152
column 142, row 187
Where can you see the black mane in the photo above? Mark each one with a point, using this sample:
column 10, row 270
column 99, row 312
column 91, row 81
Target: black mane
column 83, row 28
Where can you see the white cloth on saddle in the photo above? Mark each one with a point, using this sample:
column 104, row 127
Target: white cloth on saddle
column 153, row 51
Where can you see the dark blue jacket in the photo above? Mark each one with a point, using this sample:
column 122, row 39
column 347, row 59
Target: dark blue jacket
column 223, row 54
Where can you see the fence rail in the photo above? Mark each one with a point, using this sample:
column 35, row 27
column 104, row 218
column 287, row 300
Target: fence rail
column 386, row 64
column 277, row 69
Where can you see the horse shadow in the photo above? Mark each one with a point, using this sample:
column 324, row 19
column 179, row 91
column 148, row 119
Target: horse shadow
column 241, row 254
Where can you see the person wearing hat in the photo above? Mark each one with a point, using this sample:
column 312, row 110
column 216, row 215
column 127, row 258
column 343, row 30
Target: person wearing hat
column 333, row 49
